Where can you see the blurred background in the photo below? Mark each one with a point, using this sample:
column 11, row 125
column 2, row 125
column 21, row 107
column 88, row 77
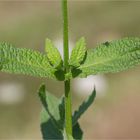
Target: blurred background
column 115, row 112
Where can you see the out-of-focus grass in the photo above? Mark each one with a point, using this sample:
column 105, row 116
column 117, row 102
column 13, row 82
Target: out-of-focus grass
column 27, row 24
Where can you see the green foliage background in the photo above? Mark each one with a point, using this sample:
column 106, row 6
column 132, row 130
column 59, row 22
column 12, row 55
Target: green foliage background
column 27, row 24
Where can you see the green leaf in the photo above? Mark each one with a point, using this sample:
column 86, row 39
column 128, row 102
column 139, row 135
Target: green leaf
column 53, row 54
column 51, row 104
column 83, row 107
column 77, row 132
column 0, row 66
column 78, row 53
column 25, row 61
column 48, row 128
column 111, row 56
column 51, row 122
column 52, row 117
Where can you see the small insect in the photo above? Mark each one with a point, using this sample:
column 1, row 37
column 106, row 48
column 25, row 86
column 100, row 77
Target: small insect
column 106, row 43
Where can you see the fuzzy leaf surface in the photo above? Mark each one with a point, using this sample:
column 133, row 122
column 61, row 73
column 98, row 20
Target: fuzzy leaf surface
column 111, row 56
column 53, row 54
column 78, row 53
column 83, row 107
column 25, row 61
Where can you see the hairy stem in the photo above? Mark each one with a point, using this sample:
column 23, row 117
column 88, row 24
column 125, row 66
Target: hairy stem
column 68, row 110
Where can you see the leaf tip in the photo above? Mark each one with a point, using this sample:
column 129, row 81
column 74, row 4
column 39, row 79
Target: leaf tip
column 41, row 91
column 94, row 91
column 82, row 40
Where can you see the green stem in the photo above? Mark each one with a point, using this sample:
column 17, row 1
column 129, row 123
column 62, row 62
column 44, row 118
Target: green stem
column 68, row 110
column 65, row 33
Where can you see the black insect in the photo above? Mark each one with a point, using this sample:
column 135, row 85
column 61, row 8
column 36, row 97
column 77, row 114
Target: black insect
column 106, row 43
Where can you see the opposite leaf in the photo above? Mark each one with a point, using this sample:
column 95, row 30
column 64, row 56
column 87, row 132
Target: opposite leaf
column 78, row 53
column 51, row 105
column 83, row 107
column 112, row 56
column 51, row 127
column 24, row 61
column 53, row 54
column 52, row 117
column 48, row 128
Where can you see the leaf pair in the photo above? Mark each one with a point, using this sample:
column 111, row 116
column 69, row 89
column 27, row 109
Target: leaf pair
column 53, row 115
column 107, row 57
